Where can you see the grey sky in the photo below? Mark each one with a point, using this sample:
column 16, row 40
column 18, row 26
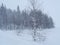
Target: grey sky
column 51, row 7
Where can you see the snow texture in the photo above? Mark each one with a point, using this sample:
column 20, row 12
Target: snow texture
column 10, row 38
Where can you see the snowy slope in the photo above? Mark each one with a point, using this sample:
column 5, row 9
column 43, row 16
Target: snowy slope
column 10, row 38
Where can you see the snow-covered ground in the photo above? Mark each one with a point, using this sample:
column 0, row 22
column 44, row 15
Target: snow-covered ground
column 10, row 38
column 53, row 37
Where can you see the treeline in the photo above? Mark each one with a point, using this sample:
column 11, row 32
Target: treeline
column 12, row 19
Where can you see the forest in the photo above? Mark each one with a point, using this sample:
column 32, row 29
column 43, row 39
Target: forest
column 16, row 19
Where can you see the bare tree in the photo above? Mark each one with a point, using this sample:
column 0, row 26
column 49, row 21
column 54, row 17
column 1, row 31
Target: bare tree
column 33, row 4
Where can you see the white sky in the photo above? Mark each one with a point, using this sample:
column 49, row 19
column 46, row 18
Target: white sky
column 51, row 7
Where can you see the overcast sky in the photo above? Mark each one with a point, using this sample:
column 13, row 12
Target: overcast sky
column 51, row 7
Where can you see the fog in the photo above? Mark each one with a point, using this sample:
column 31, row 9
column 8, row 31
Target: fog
column 51, row 7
